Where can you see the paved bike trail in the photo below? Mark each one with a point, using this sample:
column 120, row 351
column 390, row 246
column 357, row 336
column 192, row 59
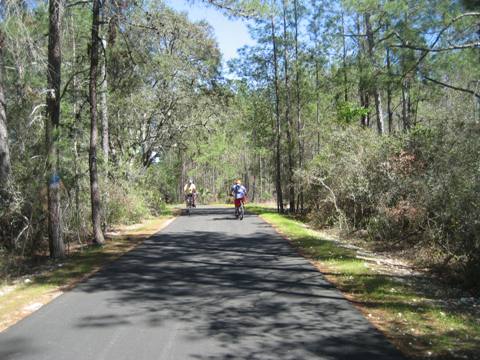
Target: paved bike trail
column 207, row 287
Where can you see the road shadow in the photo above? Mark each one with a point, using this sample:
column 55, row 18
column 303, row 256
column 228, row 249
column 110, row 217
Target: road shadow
column 252, row 296
column 18, row 345
column 206, row 211
column 219, row 212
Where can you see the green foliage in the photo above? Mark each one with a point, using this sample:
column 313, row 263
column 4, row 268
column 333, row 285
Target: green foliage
column 174, row 116
column 419, row 189
column 126, row 205
column 162, row 73
column 350, row 112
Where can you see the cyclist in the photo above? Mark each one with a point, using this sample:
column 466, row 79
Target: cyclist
column 190, row 191
column 239, row 193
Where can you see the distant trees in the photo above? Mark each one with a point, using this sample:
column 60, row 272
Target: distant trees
column 402, row 69
column 367, row 60
column 162, row 85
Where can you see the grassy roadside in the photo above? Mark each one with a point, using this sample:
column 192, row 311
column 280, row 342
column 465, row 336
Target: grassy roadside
column 420, row 323
column 21, row 298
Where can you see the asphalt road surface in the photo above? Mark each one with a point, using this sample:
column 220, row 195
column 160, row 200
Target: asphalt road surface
column 208, row 287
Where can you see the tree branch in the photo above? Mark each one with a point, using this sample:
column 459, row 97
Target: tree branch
column 438, row 82
column 83, row 2
column 449, row 48
column 70, row 80
column 227, row 5
column 427, row 50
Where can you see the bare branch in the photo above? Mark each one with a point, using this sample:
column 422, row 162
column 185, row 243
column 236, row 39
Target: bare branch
column 449, row 48
column 70, row 80
column 83, row 2
column 438, row 82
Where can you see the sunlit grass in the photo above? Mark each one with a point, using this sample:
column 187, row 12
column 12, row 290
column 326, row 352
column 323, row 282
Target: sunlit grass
column 415, row 321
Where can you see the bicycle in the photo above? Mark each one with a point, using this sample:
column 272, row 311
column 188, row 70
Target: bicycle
column 240, row 211
column 189, row 201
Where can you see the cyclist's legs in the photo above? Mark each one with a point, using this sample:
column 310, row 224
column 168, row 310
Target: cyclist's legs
column 237, row 205
column 188, row 199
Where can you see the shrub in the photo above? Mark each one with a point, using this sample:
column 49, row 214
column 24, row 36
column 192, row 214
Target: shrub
column 125, row 205
column 418, row 189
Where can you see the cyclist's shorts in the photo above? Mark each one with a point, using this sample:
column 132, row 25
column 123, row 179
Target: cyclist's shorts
column 237, row 201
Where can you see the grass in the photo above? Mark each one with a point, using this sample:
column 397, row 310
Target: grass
column 401, row 307
column 23, row 297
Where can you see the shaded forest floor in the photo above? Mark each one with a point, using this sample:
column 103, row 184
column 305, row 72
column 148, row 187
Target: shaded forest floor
column 26, row 286
column 423, row 316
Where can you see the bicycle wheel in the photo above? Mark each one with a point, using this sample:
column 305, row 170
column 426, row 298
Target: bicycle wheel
column 241, row 211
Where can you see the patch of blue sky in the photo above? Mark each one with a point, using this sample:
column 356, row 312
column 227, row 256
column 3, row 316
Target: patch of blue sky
column 231, row 34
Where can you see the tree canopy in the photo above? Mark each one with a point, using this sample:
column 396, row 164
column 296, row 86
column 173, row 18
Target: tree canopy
column 361, row 114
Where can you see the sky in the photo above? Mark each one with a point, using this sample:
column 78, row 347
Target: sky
column 231, row 34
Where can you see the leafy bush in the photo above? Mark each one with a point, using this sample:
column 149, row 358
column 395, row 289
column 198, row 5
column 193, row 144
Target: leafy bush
column 420, row 189
column 155, row 201
column 125, row 205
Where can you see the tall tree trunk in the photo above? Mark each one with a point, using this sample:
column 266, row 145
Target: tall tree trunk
column 4, row 149
column 298, row 103
column 362, row 87
column 477, row 107
column 365, row 103
column 260, row 174
column 77, row 119
column 104, row 93
column 389, row 93
column 104, row 112
column 317, row 87
column 255, row 155
column 344, row 61
column 288, row 119
column 406, row 60
column 379, row 111
column 375, row 91
column 410, row 107
column 317, row 102
column 278, row 166
column 94, row 186
column 405, row 105
column 183, row 177
column 214, row 184
column 57, row 247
